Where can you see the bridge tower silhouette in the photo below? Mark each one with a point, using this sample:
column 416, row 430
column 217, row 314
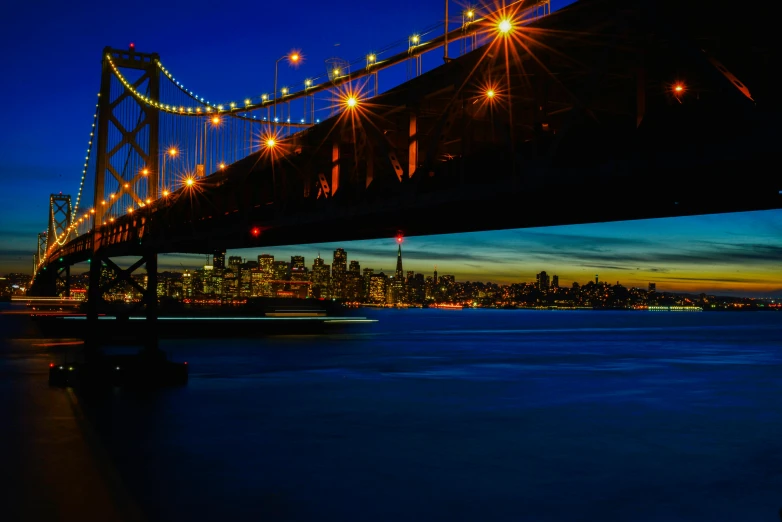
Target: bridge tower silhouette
column 121, row 146
column 41, row 252
column 127, row 157
column 59, row 231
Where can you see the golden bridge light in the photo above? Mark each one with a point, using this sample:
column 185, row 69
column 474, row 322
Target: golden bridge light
column 126, row 185
column 371, row 58
column 351, row 102
column 505, row 26
column 470, row 14
column 307, row 82
column 149, row 201
column 490, row 93
column 336, row 71
column 165, row 193
column 678, row 88
column 215, row 120
column 172, row 152
column 270, row 142
column 294, row 57
column 189, row 181
column 92, row 210
column 264, row 97
column 284, row 91
column 145, row 171
column 222, row 166
column 415, row 39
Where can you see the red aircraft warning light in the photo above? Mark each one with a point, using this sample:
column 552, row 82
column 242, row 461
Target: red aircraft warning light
column 132, row 46
column 255, row 231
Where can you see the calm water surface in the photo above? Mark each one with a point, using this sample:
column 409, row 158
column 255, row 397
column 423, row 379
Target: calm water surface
column 465, row 415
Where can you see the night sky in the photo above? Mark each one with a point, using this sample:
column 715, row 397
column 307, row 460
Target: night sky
column 52, row 55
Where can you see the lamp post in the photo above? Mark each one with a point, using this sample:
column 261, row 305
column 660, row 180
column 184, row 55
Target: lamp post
column 293, row 57
column 172, row 151
column 215, row 120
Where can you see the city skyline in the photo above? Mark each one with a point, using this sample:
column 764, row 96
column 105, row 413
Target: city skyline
column 732, row 254
column 676, row 253
column 663, row 252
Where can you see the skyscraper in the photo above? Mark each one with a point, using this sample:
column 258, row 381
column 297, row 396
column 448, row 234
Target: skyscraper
column 377, row 288
column 266, row 266
column 338, row 272
column 543, row 282
column 354, row 284
column 399, row 278
column 218, row 259
column 555, row 281
column 321, row 273
column 367, row 273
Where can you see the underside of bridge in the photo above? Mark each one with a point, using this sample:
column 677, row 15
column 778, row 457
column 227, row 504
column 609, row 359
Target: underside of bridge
column 607, row 110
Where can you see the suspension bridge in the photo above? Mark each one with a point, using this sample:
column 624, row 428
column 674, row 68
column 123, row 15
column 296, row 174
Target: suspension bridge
column 605, row 110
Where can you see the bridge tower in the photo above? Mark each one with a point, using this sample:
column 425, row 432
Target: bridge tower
column 41, row 252
column 127, row 130
column 126, row 170
column 59, row 233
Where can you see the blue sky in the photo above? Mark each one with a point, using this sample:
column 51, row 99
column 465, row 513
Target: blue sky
column 52, row 73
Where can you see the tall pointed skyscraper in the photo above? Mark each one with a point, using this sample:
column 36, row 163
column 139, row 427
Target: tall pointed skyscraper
column 399, row 278
column 399, row 273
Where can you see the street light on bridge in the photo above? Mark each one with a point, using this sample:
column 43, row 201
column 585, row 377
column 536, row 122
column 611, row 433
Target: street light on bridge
column 294, row 58
column 505, row 26
column 172, row 151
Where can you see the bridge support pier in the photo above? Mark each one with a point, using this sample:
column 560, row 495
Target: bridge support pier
column 106, row 275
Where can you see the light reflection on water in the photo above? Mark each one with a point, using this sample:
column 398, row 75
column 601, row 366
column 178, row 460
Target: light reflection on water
column 463, row 416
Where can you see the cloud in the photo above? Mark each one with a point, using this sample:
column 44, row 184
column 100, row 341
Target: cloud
column 608, row 267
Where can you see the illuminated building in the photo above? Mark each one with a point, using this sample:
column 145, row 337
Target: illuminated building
column 321, row 276
column 299, row 274
column 244, row 280
column 415, row 288
column 555, row 281
column 257, row 282
column 229, row 283
column 398, row 287
column 338, row 273
column 266, row 267
column 354, row 284
column 652, row 287
column 187, row 285
column 367, row 274
column 218, row 260
column 208, row 279
column 280, row 275
column 377, row 288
